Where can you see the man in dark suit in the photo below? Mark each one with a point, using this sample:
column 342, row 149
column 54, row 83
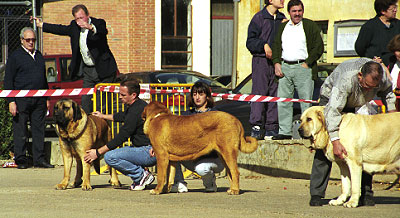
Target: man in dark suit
column 90, row 50
column 26, row 70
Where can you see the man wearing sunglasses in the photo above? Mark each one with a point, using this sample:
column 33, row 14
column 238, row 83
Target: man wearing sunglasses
column 26, row 70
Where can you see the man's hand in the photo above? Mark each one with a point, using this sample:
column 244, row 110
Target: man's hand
column 90, row 156
column 304, row 64
column 39, row 23
column 268, row 51
column 278, row 70
column 97, row 114
column 83, row 24
column 12, row 107
column 338, row 149
column 152, row 153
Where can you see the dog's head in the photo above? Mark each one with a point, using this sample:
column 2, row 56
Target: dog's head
column 152, row 110
column 313, row 127
column 65, row 111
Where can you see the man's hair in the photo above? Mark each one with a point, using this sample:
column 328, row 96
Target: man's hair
column 76, row 8
column 201, row 87
column 292, row 3
column 267, row 2
column 21, row 34
column 372, row 68
column 394, row 44
column 383, row 5
column 132, row 85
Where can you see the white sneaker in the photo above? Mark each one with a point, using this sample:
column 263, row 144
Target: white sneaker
column 147, row 179
column 179, row 188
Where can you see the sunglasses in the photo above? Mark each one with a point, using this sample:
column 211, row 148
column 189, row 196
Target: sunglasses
column 30, row 40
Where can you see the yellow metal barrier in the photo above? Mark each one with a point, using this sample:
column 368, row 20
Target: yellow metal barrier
column 109, row 103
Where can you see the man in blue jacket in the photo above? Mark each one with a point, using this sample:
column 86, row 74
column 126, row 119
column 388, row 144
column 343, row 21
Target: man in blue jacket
column 261, row 34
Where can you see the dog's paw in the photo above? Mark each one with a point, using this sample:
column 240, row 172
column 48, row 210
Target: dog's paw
column 154, row 192
column 87, row 187
column 232, row 192
column 61, row 187
column 335, row 203
column 351, row 203
column 115, row 184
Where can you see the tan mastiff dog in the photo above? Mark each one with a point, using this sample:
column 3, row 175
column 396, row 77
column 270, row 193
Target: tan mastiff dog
column 78, row 133
column 178, row 138
column 372, row 143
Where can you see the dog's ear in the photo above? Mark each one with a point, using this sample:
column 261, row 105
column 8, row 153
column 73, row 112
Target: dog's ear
column 144, row 114
column 77, row 112
column 321, row 117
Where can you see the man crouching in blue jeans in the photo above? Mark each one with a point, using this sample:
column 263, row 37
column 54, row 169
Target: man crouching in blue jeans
column 129, row 160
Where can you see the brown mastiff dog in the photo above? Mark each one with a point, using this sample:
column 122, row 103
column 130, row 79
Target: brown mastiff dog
column 178, row 138
column 78, row 133
column 372, row 143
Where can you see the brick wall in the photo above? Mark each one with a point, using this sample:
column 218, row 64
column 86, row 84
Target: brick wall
column 130, row 24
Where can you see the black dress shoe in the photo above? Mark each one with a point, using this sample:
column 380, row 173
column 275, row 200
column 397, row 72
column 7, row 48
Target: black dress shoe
column 281, row 137
column 316, row 201
column 22, row 166
column 44, row 165
column 366, row 201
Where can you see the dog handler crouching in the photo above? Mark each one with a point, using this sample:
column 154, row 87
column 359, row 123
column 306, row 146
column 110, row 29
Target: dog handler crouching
column 351, row 85
column 206, row 166
column 129, row 160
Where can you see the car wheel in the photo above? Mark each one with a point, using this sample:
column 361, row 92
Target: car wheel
column 295, row 126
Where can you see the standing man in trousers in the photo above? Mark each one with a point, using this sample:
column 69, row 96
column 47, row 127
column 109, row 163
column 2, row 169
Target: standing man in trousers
column 261, row 34
column 90, row 50
column 297, row 47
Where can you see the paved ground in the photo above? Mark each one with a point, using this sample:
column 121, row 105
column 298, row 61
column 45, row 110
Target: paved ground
column 30, row 193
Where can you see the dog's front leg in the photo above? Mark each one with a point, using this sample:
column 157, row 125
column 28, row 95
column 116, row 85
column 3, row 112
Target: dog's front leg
column 86, row 176
column 346, row 185
column 355, row 174
column 171, row 178
column 162, row 167
column 114, row 181
column 67, row 160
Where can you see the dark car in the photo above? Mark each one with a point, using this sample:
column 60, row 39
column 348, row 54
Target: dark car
column 241, row 109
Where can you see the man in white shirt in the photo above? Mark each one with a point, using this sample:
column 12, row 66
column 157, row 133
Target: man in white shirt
column 297, row 47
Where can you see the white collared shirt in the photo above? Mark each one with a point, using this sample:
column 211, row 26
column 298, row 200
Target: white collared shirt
column 294, row 44
column 395, row 75
column 86, row 56
column 31, row 54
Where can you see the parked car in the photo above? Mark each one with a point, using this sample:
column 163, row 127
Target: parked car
column 241, row 109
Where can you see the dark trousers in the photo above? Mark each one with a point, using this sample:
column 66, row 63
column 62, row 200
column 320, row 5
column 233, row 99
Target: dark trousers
column 90, row 79
column 34, row 110
column 264, row 83
column 321, row 170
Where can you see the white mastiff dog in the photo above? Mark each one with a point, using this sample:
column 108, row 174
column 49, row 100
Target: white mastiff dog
column 372, row 143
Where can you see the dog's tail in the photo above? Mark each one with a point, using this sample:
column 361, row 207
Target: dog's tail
column 248, row 144
column 96, row 165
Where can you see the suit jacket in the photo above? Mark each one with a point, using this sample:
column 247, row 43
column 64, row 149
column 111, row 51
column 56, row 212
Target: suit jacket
column 105, row 63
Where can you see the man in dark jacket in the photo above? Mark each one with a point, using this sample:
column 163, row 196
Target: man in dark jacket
column 90, row 50
column 26, row 70
column 297, row 47
column 376, row 33
column 261, row 33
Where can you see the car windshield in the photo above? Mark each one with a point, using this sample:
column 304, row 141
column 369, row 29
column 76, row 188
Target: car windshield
column 185, row 79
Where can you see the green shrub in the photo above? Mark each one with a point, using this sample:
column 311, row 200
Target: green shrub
column 6, row 139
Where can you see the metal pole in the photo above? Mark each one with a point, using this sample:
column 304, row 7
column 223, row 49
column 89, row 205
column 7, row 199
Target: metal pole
column 34, row 22
column 235, row 42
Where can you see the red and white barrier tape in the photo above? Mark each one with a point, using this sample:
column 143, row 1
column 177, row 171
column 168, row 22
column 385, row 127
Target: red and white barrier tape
column 146, row 91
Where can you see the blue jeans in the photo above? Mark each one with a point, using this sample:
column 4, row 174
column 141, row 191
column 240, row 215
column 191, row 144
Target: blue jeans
column 130, row 161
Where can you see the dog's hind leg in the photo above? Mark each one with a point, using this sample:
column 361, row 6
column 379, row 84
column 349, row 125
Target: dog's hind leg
column 78, row 177
column 230, row 159
column 346, row 185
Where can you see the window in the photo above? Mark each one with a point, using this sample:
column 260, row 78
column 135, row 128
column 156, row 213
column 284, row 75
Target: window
column 176, row 30
column 51, row 70
column 64, row 67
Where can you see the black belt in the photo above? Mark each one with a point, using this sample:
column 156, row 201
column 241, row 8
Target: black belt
column 294, row 62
